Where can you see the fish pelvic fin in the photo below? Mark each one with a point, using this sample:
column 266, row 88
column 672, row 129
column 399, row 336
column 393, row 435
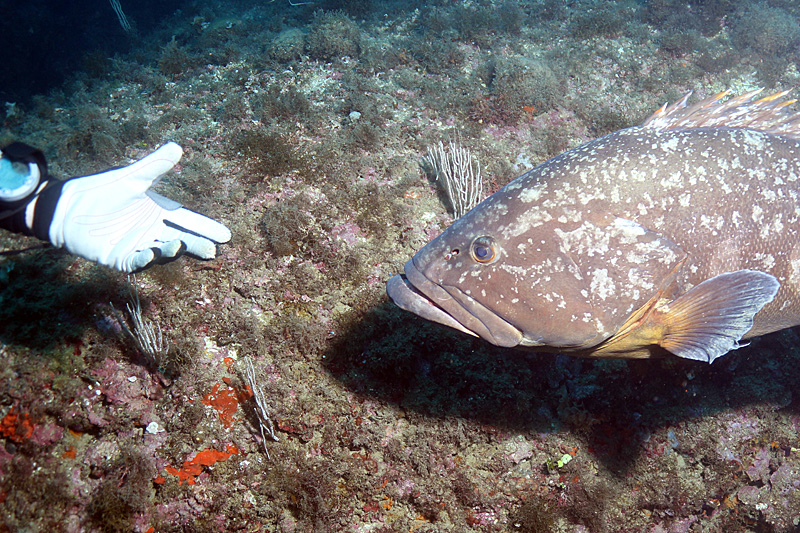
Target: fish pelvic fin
column 710, row 319
column 768, row 114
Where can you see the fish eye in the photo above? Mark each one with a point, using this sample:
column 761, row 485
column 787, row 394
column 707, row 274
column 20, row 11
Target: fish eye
column 483, row 250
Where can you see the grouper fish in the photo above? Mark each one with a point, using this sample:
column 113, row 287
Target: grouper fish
column 679, row 236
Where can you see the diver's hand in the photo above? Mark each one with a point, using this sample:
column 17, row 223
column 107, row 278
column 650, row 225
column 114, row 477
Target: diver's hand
column 113, row 218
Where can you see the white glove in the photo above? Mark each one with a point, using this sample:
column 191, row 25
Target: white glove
column 113, row 218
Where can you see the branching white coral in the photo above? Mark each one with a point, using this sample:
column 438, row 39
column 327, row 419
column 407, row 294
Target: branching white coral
column 459, row 174
column 123, row 20
column 145, row 333
column 264, row 420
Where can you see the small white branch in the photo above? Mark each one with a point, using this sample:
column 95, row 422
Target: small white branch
column 264, row 420
column 459, row 175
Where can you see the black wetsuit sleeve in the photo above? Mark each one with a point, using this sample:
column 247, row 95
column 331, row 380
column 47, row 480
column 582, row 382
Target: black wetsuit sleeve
column 12, row 214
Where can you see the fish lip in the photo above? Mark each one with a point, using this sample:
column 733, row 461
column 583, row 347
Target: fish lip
column 407, row 297
column 416, row 293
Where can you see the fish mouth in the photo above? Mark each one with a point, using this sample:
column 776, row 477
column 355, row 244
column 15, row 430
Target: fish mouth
column 450, row 306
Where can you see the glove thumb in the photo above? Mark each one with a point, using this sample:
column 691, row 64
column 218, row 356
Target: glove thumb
column 139, row 176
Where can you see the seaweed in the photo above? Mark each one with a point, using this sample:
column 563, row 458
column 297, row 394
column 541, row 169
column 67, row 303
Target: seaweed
column 333, row 35
column 268, row 154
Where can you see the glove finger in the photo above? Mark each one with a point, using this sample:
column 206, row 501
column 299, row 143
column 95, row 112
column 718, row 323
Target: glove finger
column 174, row 242
column 199, row 246
column 199, row 224
column 140, row 175
column 156, row 253
column 137, row 261
column 171, row 249
column 130, row 181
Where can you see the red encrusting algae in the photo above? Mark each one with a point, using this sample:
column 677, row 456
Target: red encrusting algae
column 226, row 401
column 16, row 427
column 194, row 467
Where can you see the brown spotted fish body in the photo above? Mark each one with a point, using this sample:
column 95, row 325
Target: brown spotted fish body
column 680, row 235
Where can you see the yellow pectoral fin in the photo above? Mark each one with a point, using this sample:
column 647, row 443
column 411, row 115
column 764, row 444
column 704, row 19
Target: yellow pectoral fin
column 703, row 324
column 637, row 338
column 710, row 320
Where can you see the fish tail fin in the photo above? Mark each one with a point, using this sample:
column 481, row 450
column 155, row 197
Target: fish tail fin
column 710, row 319
column 768, row 114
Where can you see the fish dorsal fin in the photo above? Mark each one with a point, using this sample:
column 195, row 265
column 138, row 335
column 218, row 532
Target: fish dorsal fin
column 768, row 114
column 711, row 318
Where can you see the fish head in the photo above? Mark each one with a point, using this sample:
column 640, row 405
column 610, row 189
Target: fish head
column 565, row 282
column 509, row 289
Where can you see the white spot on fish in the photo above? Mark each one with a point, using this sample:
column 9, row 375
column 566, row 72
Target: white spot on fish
column 630, row 228
column 530, row 194
column 598, row 325
column 758, row 214
column 670, row 146
column 601, row 284
column 767, row 260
